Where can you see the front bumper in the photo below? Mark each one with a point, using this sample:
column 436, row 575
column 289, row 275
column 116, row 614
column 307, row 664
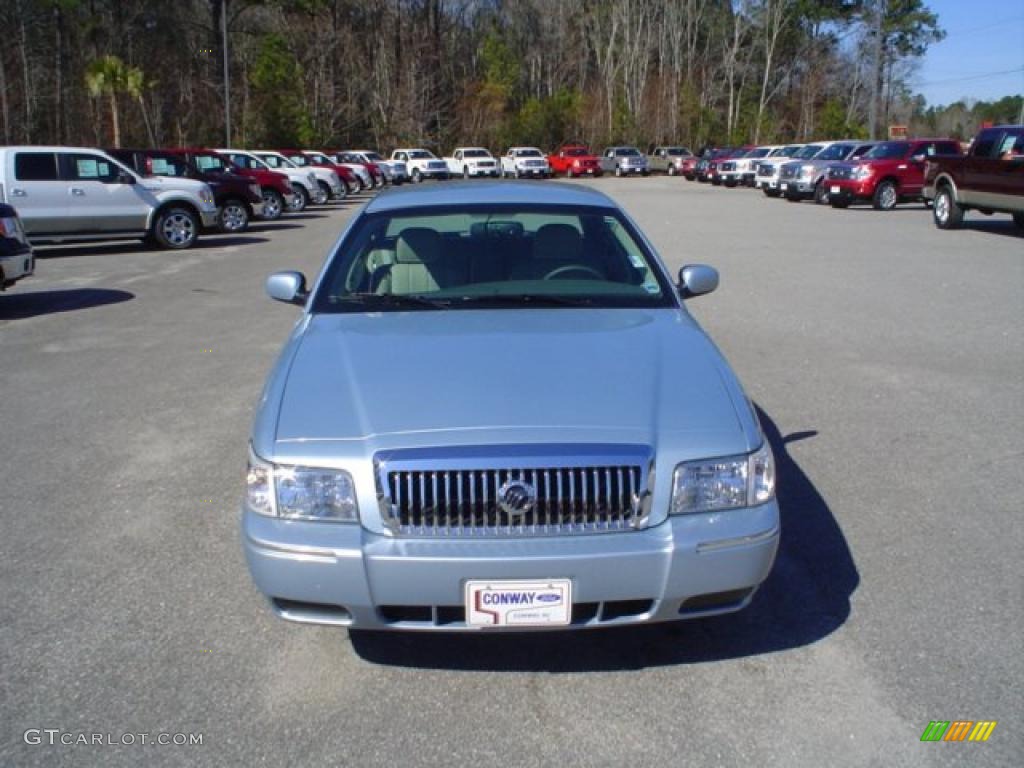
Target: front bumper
column 15, row 266
column 848, row 190
column 541, row 171
column 798, row 187
column 431, row 173
column 475, row 171
column 766, row 182
column 338, row 574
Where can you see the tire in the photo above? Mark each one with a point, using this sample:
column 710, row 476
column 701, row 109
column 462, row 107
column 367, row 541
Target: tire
column 730, row 183
column 273, row 205
column 839, row 203
column 176, row 228
column 568, row 172
column 792, row 199
column 946, row 213
column 233, row 216
column 885, row 197
column 300, row 199
column 768, row 192
column 1018, row 219
column 671, row 169
column 645, row 174
column 618, row 171
column 820, row 193
column 417, row 177
column 323, row 193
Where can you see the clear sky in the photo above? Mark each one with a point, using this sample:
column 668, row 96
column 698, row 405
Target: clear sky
column 983, row 38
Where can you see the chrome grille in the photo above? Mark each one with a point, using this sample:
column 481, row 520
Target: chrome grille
column 840, row 172
column 789, row 171
column 465, row 492
column 766, row 169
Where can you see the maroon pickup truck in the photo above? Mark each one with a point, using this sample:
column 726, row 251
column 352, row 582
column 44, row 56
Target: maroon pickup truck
column 989, row 178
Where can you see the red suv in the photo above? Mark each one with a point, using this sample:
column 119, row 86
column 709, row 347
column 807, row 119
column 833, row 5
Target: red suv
column 892, row 172
column 574, row 160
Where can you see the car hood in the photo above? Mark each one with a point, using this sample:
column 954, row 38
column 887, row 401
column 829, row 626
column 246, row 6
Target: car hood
column 158, row 184
column 505, row 376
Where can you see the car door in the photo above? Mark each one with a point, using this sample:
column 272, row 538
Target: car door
column 1005, row 181
column 38, row 192
column 100, row 199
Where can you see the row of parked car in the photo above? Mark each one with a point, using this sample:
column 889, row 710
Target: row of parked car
column 988, row 177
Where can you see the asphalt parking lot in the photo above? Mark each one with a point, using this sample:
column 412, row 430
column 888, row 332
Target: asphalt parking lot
column 886, row 358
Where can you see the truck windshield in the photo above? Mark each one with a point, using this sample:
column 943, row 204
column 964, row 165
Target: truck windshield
column 888, row 149
column 627, row 152
column 835, row 152
column 576, row 152
column 475, row 153
column 421, row 154
column 528, row 153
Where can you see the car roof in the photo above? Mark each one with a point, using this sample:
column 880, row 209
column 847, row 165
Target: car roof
column 455, row 193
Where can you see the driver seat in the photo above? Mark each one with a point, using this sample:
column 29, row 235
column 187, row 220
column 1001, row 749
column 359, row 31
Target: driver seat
column 554, row 246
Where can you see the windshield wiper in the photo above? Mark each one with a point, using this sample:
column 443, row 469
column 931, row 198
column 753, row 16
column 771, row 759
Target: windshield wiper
column 392, row 300
column 527, row 299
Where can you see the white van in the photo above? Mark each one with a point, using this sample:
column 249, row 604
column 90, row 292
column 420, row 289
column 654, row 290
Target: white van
column 75, row 193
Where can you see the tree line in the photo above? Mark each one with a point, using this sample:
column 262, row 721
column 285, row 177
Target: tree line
column 442, row 72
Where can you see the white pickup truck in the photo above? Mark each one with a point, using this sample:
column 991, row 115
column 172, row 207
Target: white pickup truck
column 421, row 164
column 525, row 161
column 472, row 161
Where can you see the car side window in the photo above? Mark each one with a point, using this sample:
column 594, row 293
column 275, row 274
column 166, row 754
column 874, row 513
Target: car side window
column 35, row 166
column 82, row 167
column 985, row 143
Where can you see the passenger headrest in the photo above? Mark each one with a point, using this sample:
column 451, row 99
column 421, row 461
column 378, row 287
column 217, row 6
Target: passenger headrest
column 418, row 245
column 557, row 241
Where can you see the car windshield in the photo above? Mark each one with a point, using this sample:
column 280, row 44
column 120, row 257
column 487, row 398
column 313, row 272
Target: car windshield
column 808, row 152
column 528, row 153
column 373, row 157
column 475, row 153
column 421, row 154
column 300, row 160
column 276, row 161
column 500, row 256
column 627, row 152
column 758, row 152
column 247, row 161
column 678, row 151
column 166, row 165
column 888, row 149
column 210, row 163
column 576, row 152
column 318, row 158
column 835, row 152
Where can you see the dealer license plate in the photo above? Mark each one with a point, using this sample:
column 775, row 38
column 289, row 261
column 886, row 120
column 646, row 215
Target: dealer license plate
column 544, row 603
column 833, row 190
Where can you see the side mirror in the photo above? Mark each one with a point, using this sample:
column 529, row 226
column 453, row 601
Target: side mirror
column 125, row 178
column 917, row 158
column 696, row 280
column 289, row 287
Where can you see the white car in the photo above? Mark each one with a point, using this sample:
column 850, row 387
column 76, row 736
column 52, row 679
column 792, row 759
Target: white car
column 472, row 161
column 525, row 161
column 307, row 178
column 74, row 193
column 742, row 169
column 301, row 182
column 395, row 171
column 766, row 177
column 422, row 164
column 327, row 178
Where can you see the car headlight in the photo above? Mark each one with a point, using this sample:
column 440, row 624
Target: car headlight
column 708, row 485
column 206, row 195
column 806, row 170
column 862, row 171
column 300, row 493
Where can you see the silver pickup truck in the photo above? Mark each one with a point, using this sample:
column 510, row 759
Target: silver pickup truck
column 624, row 161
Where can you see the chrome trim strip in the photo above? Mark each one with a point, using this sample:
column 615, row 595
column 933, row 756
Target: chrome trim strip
column 739, row 541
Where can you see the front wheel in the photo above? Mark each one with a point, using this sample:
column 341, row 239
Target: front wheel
column 176, row 228
column 417, row 177
column 820, row 193
column 885, row 198
column 465, row 171
column 233, row 216
column 618, row 171
column 322, row 194
column 273, row 204
column 839, row 203
column 300, row 199
column 672, row 170
column 946, row 213
column 568, row 173
column 769, row 192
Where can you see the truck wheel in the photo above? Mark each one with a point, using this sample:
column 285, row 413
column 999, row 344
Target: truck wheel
column 885, row 198
column 820, row 193
column 176, row 227
column 233, row 216
column 323, row 193
column 568, row 172
column 839, row 203
column 273, row 204
column 672, row 169
column 770, row 192
column 946, row 213
column 417, row 177
column 618, row 171
column 300, row 199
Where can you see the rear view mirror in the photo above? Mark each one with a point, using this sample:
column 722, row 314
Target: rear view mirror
column 696, row 280
column 289, row 287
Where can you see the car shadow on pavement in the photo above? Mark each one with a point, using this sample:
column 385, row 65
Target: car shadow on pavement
column 208, row 242
column 995, row 226
column 19, row 306
column 805, row 598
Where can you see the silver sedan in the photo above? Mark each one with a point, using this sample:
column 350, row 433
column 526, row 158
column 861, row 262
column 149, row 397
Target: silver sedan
column 496, row 413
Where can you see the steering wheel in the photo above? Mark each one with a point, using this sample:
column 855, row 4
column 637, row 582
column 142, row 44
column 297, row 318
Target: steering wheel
column 589, row 271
